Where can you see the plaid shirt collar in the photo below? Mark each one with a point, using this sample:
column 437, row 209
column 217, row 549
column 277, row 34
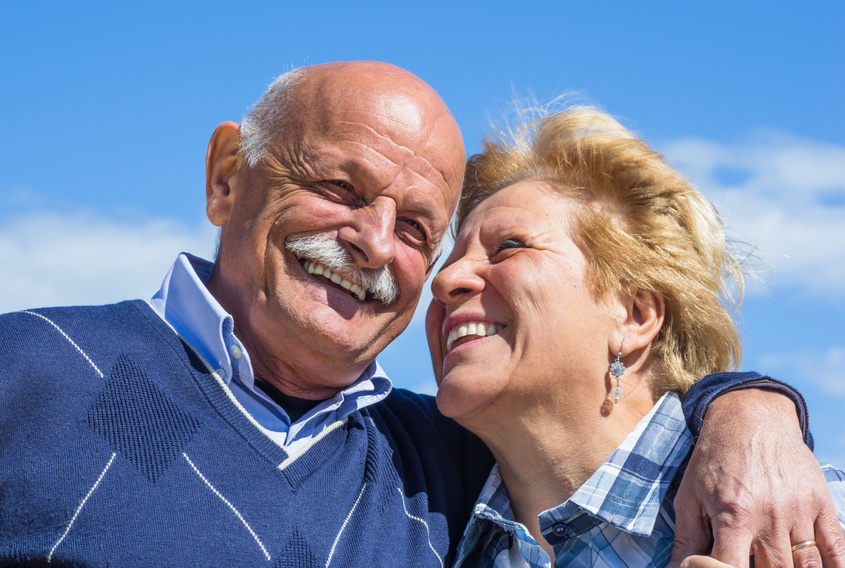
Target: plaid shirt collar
column 625, row 492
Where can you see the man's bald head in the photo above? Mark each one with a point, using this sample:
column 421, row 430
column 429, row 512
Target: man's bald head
column 313, row 94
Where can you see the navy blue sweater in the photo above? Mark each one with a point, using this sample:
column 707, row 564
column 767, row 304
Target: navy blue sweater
column 120, row 447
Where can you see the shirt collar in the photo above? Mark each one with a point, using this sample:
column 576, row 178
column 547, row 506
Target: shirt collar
column 185, row 303
column 491, row 516
column 628, row 489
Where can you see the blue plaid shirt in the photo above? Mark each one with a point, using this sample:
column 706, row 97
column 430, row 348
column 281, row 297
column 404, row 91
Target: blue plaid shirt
column 622, row 515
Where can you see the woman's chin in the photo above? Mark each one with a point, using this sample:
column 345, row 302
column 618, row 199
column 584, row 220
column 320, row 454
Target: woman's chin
column 464, row 399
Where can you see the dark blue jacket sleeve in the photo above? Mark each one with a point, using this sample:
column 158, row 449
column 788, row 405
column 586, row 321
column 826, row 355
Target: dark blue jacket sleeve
column 698, row 398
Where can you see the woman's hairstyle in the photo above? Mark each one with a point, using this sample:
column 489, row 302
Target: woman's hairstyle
column 640, row 224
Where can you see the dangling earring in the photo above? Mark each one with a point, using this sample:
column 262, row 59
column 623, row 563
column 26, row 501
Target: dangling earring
column 617, row 369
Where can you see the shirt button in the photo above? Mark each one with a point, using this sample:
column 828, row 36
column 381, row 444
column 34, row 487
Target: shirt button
column 559, row 529
column 235, row 351
column 220, row 373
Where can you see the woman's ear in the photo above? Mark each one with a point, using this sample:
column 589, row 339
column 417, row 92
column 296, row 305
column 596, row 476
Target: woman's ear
column 222, row 163
column 643, row 316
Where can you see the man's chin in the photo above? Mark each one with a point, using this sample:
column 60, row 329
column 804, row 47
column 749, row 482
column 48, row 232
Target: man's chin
column 340, row 329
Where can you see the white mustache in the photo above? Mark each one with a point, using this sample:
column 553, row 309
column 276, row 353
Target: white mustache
column 327, row 251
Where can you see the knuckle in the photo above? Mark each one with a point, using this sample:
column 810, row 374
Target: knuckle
column 785, row 511
column 834, row 550
column 737, row 515
column 776, row 556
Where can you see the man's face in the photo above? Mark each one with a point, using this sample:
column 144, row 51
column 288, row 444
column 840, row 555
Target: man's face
column 366, row 174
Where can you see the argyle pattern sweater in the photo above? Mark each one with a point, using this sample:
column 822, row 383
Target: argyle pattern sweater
column 120, row 447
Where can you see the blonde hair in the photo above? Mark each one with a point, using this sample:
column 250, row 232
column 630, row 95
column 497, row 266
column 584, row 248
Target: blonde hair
column 641, row 226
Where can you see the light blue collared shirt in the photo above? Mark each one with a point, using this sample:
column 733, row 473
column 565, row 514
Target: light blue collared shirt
column 184, row 302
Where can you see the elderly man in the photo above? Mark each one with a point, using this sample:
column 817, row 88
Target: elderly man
column 239, row 418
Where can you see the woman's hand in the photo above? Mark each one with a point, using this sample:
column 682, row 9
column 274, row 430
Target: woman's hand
column 758, row 487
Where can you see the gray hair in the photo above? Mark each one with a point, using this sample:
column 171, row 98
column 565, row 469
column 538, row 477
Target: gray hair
column 263, row 122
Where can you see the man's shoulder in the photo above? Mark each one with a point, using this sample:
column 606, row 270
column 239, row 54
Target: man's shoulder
column 30, row 331
column 63, row 353
column 405, row 396
column 413, row 417
column 420, row 434
column 408, row 405
column 70, row 313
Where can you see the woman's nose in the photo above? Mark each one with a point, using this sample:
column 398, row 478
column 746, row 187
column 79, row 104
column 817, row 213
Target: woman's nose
column 457, row 279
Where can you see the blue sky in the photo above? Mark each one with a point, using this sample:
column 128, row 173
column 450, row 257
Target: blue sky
column 107, row 109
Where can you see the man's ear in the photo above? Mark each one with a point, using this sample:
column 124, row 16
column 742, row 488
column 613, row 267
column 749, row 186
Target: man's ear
column 643, row 317
column 222, row 163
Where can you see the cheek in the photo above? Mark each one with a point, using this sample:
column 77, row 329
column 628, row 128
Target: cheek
column 409, row 269
column 433, row 325
column 524, row 285
column 308, row 214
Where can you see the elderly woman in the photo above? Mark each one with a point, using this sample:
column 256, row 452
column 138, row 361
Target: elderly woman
column 586, row 291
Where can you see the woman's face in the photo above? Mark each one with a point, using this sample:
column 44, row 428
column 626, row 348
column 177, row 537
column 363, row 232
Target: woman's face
column 513, row 321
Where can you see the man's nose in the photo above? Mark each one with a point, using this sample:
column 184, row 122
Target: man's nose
column 370, row 234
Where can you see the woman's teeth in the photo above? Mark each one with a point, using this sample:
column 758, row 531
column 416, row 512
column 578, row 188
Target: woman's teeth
column 318, row 269
column 476, row 328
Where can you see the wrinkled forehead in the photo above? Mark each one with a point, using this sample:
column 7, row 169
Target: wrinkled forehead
column 411, row 121
column 531, row 196
column 410, row 117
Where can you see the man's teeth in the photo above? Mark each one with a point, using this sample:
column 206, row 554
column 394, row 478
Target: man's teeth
column 316, row 268
column 476, row 328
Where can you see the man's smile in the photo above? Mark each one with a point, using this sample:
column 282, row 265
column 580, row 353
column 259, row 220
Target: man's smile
column 316, row 269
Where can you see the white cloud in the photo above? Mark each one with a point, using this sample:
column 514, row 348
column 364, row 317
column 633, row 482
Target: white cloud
column 784, row 194
column 84, row 258
column 823, row 368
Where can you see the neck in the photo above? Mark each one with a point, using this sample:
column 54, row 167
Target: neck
column 304, row 375
column 296, row 380
column 295, row 407
column 546, row 454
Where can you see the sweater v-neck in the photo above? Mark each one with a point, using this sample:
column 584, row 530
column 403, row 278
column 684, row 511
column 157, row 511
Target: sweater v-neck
column 295, row 468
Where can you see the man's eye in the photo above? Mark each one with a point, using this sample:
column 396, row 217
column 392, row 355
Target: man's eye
column 341, row 191
column 414, row 230
column 342, row 184
column 509, row 244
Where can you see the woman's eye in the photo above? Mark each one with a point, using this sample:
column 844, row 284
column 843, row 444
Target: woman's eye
column 509, row 244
